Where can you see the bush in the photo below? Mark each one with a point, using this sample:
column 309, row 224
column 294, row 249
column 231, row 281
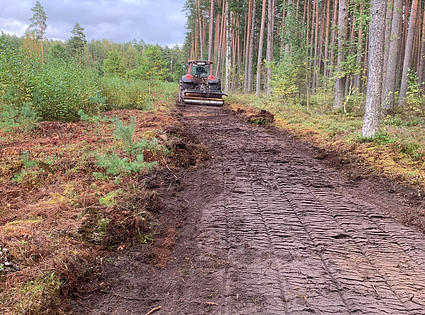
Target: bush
column 125, row 94
column 62, row 90
column 56, row 91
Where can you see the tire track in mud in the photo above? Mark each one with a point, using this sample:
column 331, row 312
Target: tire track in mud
column 286, row 236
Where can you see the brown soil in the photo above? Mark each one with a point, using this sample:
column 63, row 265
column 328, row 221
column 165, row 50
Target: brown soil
column 269, row 225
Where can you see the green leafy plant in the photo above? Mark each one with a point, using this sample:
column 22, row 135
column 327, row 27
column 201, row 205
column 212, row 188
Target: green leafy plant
column 121, row 93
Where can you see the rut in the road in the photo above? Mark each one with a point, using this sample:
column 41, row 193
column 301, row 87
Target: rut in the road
column 290, row 239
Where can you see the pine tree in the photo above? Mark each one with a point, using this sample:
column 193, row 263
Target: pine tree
column 260, row 48
column 375, row 64
column 77, row 42
column 390, row 76
column 38, row 24
column 342, row 37
column 408, row 54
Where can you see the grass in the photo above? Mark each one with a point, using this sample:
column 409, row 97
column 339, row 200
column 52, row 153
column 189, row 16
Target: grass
column 397, row 152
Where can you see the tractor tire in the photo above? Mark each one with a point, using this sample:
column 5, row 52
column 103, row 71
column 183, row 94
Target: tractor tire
column 180, row 99
column 183, row 86
column 215, row 86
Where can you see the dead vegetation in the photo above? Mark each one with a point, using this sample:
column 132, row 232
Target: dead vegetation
column 61, row 209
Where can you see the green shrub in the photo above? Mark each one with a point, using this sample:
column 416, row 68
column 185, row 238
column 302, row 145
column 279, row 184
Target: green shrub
column 56, row 91
column 61, row 90
column 125, row 93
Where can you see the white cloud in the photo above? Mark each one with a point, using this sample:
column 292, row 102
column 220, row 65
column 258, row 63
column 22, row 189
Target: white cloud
column 12, row 27
column 154, row 21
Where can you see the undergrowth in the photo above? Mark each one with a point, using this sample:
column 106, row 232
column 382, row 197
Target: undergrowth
column 68, row 192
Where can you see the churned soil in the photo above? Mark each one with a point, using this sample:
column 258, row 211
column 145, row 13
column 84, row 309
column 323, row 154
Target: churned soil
column 267, row 225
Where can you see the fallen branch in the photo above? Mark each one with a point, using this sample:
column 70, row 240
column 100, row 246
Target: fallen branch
column 172, row 172
column 154, row 310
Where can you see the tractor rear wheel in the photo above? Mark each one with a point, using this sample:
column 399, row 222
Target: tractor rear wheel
column 215, row 86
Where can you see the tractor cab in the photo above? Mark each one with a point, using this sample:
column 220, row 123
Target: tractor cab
column 200, row 69
column 199, row 86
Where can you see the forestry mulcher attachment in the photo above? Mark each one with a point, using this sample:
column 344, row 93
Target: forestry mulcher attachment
column 199, row 86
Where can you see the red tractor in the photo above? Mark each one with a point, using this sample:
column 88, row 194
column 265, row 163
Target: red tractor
column 199, row 86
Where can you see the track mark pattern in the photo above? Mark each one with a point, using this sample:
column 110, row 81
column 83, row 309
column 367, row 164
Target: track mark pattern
column 285, row 237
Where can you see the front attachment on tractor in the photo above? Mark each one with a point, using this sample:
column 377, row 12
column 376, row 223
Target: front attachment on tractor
column 199, row 86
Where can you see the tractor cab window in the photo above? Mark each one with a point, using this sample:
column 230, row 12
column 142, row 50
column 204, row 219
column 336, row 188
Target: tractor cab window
column 200, row 71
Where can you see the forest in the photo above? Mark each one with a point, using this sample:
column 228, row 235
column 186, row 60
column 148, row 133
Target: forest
column 296, row 50
column 54, row 80
column 357, row 53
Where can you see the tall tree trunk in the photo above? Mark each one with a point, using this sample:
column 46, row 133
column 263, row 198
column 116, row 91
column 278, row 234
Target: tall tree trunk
column 326, row 56
column 250, row 85
column 269, row 50
column 408, row 54
column 239, row 52
column 210, row 33
column 192, row 52
column 321, row 44
column 333, row 35
column 312, row 39
column 196, row 36
column 247, row 42
column 342, row 35
column 282, row 40
column 41, row 34
column 289, row 13
column 221, row 40
column 316, row 46
column 228, row 47
column 358, row 77
column 201, row 44
column 388, row 22
column 260, row 49
column 422, row 54
column 217, row 37
column 417, row 45
column 375, row 63
column 405, row 24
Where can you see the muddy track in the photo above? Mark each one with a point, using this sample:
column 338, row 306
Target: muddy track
column 271, row 230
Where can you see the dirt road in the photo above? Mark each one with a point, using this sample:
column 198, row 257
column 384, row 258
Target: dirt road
column 268, row 228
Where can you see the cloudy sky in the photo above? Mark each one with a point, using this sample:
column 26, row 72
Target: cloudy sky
column 155, row 21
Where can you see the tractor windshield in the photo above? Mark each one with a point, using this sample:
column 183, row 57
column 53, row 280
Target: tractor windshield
column 200, row 71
